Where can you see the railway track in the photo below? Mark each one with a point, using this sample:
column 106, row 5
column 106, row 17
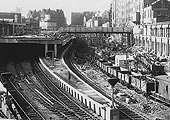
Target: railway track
column 85, row 107
column 41, row 96
column 160, row 100
column 50, row 102
column 122, row 108
column 73, row 107
column 25, row 108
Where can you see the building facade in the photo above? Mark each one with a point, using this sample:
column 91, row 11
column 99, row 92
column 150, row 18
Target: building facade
column 155, row 33
column 10, row 17
column 150, row 20
column 10, row 23
column 123, row 12
column 47, row 19
column 89, row 19
column 94, row 22
column 48, row 22
column 132, row 12
column 77, row 19
column 97, row 19
column 158, row 11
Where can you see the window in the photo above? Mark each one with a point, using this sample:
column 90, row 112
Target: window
column 168, row 32
column 156, row 32
column 82, row 99
column 161, row 32
column 152, row 32
column 99, row 111
column 157, row 46
column 75, row 94
column 158, row 13
column 78, row 97
column 150, row 13
column 145, row 14
column 152, row 44
column 167, row 88
column 94, row 108
column 85, row 102
column 72, row 92
column 164, row 31
column 89, row 104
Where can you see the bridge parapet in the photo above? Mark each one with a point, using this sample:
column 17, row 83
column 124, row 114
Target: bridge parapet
column 30, row 39
column 96, row 30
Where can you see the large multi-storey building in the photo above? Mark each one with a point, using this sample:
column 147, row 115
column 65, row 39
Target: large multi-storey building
column 124, row 11
column 10, row 23
column 158, row 11
column 146, row 17
column 96, row 20
column 47, row 19
column 154, row 35
column 89, row 19
column 128, row 12
column 77, row 19
column 10, row 17
column 52, row 20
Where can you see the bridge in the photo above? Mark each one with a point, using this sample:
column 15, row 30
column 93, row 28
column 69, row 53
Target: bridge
column 36, row 39
column 57, row 42
column 44, row 40
column 23, row 39
column 105, row 30
column 126, row 32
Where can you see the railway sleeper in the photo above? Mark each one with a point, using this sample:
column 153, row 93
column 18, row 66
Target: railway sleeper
column 68, row 102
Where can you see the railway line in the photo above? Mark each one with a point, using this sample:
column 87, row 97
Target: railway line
column 56, row 92
column 49, row 97
column 52, row 97
column 25, row 108
column 82, row 105
column 36, row 93
column 30, row 94
column 40, row 95
column 129, row 113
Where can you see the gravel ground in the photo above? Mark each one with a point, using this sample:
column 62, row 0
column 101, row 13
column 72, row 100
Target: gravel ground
column 156, row 109
column 28, row 93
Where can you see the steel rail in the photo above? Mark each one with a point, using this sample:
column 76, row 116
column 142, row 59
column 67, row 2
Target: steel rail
column 68, row 60
column 51, row 85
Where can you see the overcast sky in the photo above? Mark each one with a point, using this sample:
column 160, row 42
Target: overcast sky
column 67, row 6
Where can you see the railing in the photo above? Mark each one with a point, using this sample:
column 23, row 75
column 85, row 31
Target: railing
column 96, row 30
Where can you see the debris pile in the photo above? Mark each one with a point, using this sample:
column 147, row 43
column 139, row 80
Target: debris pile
column 136, row 101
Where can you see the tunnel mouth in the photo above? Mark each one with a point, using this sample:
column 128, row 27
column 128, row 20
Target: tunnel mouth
column 21, row 51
